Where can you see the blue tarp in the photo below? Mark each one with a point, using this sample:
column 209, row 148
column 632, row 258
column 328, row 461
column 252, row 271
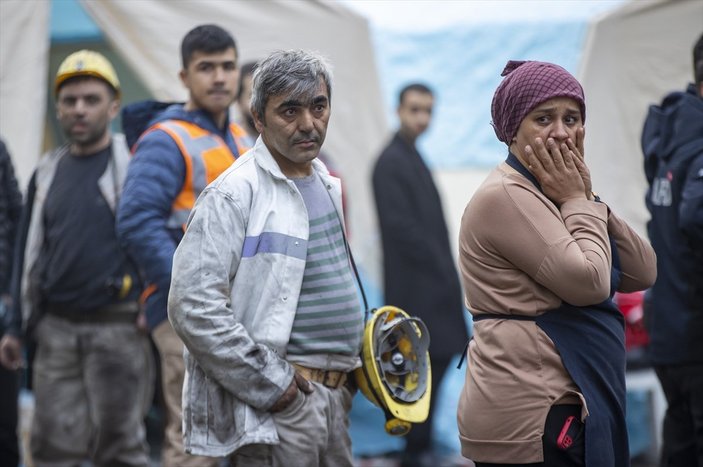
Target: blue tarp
column 70, row 23
column 463, row 65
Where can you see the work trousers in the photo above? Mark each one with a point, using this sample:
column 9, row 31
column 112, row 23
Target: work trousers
column 683, row 422
column 314, row 432
column 92, row 387
column 170, row 349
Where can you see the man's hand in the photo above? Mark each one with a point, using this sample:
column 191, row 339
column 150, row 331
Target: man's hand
column 556, row 168
column 11, row 353
column 298, row 384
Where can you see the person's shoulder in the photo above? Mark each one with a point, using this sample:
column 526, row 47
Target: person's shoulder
column 505, row 185
column 157, row 144
column 394, row 148
column 393, row 156
column 119, row 144
column 493, row 186
column 52, row 155
column 239, row 177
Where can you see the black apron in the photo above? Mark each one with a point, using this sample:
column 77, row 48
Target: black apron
column 591, row 343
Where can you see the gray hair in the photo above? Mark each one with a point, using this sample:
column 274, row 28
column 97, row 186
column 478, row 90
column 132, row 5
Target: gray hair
column 294, row 72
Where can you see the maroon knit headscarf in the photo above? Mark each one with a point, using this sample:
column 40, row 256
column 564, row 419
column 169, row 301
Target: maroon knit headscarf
column 525, row 86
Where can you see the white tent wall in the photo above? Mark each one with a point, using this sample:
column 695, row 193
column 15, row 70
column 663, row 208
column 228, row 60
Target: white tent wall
column 24, row 59
column 147, row 35
column 632, row 58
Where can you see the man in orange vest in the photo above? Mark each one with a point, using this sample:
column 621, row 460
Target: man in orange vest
column 185, row 148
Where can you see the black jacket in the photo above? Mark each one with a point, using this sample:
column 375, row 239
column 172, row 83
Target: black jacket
column 672, row 141
column 10, row 209
column 419, row 272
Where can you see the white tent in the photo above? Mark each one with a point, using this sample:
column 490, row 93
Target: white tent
column 633, row 57
column 24, row 60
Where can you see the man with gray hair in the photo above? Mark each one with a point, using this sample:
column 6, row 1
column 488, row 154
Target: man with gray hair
column 262, row 292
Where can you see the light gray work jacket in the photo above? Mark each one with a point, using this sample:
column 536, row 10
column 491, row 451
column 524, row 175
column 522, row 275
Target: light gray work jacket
column 234, row 292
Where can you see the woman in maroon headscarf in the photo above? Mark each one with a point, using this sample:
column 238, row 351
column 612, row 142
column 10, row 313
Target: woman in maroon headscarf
column 541, row 257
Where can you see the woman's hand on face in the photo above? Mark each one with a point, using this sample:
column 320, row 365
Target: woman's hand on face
column 556, row 168
column 580, row 161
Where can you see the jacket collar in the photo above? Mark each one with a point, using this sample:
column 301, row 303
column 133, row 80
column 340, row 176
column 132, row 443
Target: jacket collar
column 265, row 160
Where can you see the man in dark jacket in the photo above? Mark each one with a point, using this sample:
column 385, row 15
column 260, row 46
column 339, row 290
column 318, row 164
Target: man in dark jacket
column 419, row 271
column 672, row 142
column 10, row 209
column 185, row 147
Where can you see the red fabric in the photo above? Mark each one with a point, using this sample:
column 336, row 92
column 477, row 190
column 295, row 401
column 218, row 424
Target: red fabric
column 630, row 305
column 526, row 85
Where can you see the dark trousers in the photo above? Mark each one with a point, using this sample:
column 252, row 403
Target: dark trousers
column 559, row 451
column 683, row 423
column 9, row 387
column 419, row 439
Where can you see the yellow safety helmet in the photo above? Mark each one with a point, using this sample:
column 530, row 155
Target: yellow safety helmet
column 87, row 63
column 395, row 372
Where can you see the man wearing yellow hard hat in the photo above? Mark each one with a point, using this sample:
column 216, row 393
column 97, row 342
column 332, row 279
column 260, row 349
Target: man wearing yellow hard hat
column 79, row 290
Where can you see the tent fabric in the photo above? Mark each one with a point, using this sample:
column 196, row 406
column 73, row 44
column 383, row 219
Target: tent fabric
column 24, row 60
column 147, row 35
column 633, row 56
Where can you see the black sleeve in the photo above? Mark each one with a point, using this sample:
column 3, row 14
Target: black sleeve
column 10, row 208
column 398, row 213
column 15, row 321
column 691, row 208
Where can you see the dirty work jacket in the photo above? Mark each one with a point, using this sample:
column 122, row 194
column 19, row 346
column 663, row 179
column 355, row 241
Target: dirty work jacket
column 234, row 292
column 110, row 185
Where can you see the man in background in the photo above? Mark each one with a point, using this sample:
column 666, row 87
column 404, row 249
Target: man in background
column 92, row 372
column 672, row 141
column 419, row 273
column 246, row 85
column 185, row 147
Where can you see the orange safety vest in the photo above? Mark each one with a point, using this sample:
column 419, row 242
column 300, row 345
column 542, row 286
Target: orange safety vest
column 206, row 156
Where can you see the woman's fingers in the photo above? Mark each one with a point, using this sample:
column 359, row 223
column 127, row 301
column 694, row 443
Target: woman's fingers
column 543, row 154
column 574, row 148
column 533, row 163
column 556, row 167
column 568, row 156
column 585, row 176
column 555, row 152
column 577, row 146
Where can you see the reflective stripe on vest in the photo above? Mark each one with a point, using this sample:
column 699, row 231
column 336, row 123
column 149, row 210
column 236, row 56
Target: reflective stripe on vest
column 206, row 156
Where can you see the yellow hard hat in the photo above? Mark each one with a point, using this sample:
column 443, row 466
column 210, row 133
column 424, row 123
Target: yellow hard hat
column 87, row 63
